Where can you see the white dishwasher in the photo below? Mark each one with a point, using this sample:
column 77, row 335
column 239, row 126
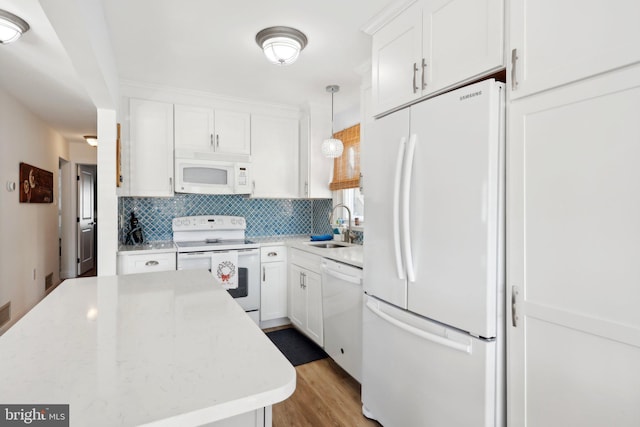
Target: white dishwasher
column 342, row 315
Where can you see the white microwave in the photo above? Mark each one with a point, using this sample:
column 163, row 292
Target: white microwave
column 204, row 176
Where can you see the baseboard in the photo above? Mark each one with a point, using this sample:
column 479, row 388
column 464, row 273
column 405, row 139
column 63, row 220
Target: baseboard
column 274, row 323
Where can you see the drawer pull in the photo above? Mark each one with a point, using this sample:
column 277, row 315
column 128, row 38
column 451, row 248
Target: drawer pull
column 151, row 263
column 272, row 254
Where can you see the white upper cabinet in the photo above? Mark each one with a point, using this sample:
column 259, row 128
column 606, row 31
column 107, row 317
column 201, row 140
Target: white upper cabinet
column 205, row 130
column 434, row 45
column 274, row 160
column 150, row 148
column 315, row 169
column 396, row 56
column 561, row 42
column 233, row 132
column 194, row 129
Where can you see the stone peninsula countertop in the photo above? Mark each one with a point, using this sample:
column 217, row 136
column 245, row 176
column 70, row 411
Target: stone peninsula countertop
column 169, row 348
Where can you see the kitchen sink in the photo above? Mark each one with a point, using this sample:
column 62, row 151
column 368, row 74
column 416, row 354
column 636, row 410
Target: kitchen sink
column 327, row 245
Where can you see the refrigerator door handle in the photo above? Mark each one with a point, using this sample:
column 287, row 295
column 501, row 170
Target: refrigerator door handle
column 396, row 208
column 418, row 332
column 406, row 204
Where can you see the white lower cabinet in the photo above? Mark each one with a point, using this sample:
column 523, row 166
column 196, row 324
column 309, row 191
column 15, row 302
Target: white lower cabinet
column 305, row 294
column 140, row 262
column 273, row 290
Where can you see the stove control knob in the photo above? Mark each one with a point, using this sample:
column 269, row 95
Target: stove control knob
column 233, row 220
column 186, row 222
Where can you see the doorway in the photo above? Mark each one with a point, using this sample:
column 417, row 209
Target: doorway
column 87, row 221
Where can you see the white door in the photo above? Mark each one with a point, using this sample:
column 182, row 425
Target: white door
column 561, row 42
column 420, row 373
column 86, row 218
column 456, row 207
column 273, row 293
column 193, row 128
column 297, row 307
column 465, row 38
column 233, row 132
column 313, row 289
column 396, row 60
column 382, row 157
column 573, row 270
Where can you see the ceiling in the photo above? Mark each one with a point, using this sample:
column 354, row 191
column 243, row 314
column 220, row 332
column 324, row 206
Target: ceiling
column 201, row 45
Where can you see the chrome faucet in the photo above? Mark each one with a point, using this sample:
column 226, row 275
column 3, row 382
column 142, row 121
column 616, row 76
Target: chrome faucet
column 349, row 235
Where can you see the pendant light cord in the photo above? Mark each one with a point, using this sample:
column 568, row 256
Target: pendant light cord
column 332, row 92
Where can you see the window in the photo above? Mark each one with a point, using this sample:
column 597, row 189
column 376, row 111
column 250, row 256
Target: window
column 355, row 201
column 346, row 173
column 346, row 168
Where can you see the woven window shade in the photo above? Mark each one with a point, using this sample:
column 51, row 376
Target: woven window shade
column 346, row 168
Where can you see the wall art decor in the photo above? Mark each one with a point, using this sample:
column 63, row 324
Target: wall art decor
column 36, row 185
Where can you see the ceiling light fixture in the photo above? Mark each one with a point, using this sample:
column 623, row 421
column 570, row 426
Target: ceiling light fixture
column 92, row 140
column 332, row 147
column 281, row 45
column 11, row 27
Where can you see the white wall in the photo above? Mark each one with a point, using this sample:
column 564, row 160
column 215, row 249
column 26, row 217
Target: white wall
column 29, row 232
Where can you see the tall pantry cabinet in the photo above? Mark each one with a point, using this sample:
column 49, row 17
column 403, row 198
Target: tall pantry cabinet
column 573, row 214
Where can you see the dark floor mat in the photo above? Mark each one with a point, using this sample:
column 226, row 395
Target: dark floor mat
column 296, row 347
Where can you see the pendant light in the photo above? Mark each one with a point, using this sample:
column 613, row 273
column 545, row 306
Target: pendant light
column 332, row 147
column 11, row 27
column 281, row 45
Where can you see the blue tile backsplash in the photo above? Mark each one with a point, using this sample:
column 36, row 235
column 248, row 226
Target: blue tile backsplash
column 265, row 217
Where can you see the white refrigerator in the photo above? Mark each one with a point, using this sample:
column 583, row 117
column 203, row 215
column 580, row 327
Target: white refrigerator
column 433, row 320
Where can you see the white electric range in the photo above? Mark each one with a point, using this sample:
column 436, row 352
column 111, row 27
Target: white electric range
column 199, row 238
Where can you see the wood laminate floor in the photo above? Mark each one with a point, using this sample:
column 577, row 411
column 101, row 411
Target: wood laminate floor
column 325, row 396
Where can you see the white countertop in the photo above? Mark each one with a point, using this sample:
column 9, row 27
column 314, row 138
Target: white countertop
column 351, row 254
column 149, row 247
column 169, row 348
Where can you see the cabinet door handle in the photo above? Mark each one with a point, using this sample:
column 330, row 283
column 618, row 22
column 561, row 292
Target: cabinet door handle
column 514, row 76
column 306, row 188
column 170, row 183
column 217, row 141
column 415, row 71
column 211, row 140
column 272, row 254
column 514, row 308
column 264, row 274
column 424, row 72
column 151, row 263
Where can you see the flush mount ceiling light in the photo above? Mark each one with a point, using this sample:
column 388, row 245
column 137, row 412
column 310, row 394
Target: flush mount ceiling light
column 92, row 140
column 332, row 147
column 11, row 27
column 281, row 45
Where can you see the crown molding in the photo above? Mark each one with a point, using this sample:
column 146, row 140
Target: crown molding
column 385, row 15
